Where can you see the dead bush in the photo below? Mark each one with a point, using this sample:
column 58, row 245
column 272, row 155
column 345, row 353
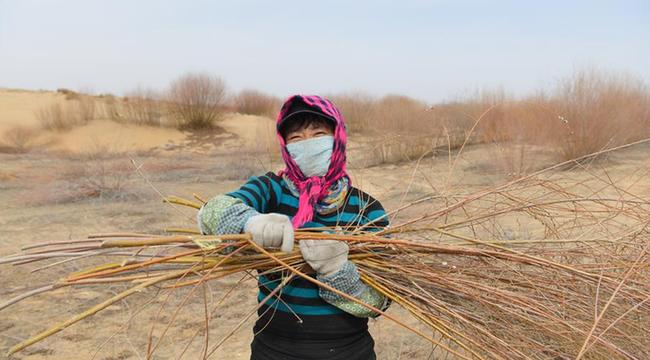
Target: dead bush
column 100, row 175
column 358, row 110
column 587, row 112
column 392, row 114
column 196, row 100
column 455, row 116
column 17, row 140
column 54, row 117
column 399, row 128
column 139, row 107
column 403, row 114
column 254, row 102
column 597, row 111
column 63, row 117
column 400, row 148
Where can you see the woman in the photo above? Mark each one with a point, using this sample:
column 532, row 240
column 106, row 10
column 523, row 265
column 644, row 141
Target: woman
column 313, row 191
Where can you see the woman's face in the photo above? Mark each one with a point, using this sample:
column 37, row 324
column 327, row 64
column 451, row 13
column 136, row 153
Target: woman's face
column 311, row 130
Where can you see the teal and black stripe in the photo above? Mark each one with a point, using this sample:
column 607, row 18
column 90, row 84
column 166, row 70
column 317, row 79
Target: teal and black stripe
column 301, row 300
column 269, row 193
column 299, row 308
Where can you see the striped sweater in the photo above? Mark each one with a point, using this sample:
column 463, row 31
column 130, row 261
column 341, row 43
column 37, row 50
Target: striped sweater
column 303, row 310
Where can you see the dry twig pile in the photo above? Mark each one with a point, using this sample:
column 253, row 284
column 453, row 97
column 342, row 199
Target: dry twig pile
column 570, row 281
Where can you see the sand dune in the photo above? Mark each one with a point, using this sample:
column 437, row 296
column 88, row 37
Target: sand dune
column 20, row 108
column 99, row 135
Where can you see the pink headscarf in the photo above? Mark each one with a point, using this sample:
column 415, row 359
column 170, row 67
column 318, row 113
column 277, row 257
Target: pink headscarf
column 312, row 189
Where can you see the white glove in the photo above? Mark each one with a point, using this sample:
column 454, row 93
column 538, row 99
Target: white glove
column 271, row 231
column 326, row 257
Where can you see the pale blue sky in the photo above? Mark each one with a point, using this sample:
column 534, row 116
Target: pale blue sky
column 432, row 50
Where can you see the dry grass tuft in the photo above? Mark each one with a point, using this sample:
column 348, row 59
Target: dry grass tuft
column 17, row 140
column 63, row 117
column 100, row 174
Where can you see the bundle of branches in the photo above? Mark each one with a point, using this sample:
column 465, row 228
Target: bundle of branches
column 535, row 268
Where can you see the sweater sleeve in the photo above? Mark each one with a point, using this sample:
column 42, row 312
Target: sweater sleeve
column 224, row 214
column 259, row 192
column 228, row 213
column 348, row 281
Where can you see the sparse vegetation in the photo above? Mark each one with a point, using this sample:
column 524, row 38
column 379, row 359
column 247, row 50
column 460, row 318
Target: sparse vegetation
column 396, row 128
column 101, row 175
column 65, row 116
column 585, row 113
column 588, row 112
column 599, row 111
column 139, row 107
column 196, row 100
column 254, row 102
column 17, row 140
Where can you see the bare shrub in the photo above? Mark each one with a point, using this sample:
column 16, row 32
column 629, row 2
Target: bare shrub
column 254, row 102
column 401, row 113
column 100, row 174
column 400, row 128
column 17, row 140
column 358, row 110
column 456, row 116
column 398, row 148
column 196, row 100
column 62, row 117
column 588, row 112
column 139, row 107
column 598, row 111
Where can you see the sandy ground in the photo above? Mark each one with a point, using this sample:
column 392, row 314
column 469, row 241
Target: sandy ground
column 47, row 195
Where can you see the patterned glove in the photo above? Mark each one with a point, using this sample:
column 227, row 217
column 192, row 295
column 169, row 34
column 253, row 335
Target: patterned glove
column 271, row 231
column 326, row 257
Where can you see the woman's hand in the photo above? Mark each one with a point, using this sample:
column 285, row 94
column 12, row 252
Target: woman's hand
column 271, row 231
column 326, row 257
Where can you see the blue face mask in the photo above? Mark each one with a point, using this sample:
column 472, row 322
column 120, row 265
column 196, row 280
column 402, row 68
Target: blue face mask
column 313, row 156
